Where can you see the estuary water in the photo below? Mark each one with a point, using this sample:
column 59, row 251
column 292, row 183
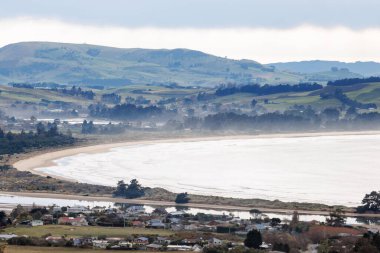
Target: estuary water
column 323, row 169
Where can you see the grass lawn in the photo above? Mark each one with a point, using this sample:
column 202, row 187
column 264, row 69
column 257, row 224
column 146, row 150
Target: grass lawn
column 31, row 249
column 70, row 231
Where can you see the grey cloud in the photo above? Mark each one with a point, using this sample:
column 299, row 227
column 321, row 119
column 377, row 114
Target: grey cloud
column 202, row 13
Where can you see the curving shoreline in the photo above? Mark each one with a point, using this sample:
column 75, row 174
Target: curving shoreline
column 47, row 159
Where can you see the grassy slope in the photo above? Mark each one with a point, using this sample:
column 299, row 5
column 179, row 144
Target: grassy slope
column 365, row 93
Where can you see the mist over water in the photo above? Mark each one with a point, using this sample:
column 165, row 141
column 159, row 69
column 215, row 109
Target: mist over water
column 329, row 169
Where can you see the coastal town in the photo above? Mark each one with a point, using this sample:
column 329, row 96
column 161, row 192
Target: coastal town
column 132, row 227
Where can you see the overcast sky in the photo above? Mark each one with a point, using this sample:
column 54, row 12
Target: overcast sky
column 266, row 31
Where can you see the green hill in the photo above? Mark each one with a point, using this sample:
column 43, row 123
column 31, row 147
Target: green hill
column 83, row 64
column 334, row 67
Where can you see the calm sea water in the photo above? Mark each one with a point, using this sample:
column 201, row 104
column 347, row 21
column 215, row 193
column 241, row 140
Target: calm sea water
column 8, row 202
column 331, row 169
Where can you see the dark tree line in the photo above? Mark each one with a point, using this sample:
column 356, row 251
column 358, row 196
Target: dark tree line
column 125, row 111
column 267, row 122
column 45, row 136
column 78, row 92
column 112, row 98
column 267, row 89
column 88, row 127
column 344, row 99
column 290, row 120
column 352, row 81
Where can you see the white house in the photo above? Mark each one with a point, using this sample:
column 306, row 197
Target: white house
column 100, row 244
column 36, row 223
column 215, row 242
column 78, row 209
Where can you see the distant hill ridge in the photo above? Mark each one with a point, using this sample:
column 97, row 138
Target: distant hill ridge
column 91, row 64
column 369, row 68
column 83, row 64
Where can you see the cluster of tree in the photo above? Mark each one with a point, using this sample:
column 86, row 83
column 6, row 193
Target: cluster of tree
column 88, row 127
column 182, row 198
column 344, row 99
column 266, row 89
column 44, row 136
column 22, row 85
column 267, row 122
column 253, row 239
column 4, row 220
column 289, row 120
column 370, row 243
column 111, row 98
column 336, row 218
column 125, row 111
column 130, row 191
column 352, row 81
column 78, row 92
column 166, row 101
column 40, row 85
column 370, row 203
column 139, row 100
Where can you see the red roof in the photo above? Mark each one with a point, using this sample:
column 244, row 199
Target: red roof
column 70, row 219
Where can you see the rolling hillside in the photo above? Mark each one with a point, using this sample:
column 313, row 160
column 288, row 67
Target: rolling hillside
column 315, row 67
column 83, row 64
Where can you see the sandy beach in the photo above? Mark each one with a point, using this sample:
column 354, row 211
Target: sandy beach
column 33, row 162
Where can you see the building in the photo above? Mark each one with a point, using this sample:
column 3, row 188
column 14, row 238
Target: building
column 36, row 223
column 100, row 244
column 141, row 241
column 79, row 221
column 78, row 209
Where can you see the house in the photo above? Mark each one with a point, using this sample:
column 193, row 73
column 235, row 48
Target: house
column 153, row 247
column 197, row 248
column 190, row 241
column 163, row 240
column 175, row 220
column 98, row 209
column 177, row 227
column 78, row 209
column 36, row 223
column 79, row 221
column 265, row 246
column 191, row 227
column 137, row 223
column 179, row 248
column 135, row 209
column 177, row 214
column 155, row 223
column 114, row 239
column 100, row 244
column 57, row 209
column 125, row 245
column 260, row 227
column 79, row 242
column 54, row 239
column 47, row 219
column 215, row 242
column 141, row 241
column 4, row 237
